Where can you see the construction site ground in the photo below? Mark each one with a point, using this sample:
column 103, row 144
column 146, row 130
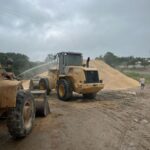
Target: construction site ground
column 118, row 120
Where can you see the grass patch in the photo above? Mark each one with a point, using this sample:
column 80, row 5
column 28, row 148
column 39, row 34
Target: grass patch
column 136, row 75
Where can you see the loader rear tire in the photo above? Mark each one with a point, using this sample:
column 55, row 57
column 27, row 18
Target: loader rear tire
column 44, row 85
column 21, row 118
column 64, row 89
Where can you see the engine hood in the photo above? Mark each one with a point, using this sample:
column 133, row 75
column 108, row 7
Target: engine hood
column 8, row 91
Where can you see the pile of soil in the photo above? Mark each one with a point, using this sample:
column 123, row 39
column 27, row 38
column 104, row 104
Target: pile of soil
column 112, row 78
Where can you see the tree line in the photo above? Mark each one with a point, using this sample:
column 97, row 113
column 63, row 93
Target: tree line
column 115, row 60
column 22, row 62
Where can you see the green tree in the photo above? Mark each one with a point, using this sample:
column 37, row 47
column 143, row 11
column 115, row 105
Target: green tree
column 131, row 61
column 110, row 58
column 50, row 57
column 144, row 62
column 21, row 61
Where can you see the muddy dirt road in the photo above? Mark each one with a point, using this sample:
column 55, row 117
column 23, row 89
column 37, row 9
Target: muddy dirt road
column 114, row 121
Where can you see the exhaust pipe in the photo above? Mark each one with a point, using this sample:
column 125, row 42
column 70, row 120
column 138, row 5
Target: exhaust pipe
column 87, row 62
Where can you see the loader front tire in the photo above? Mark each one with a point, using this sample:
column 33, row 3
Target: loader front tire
column 64, row 89
column 21, row 118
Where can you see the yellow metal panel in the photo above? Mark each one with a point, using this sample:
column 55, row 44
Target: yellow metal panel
column 8, row 91
column 89, row 88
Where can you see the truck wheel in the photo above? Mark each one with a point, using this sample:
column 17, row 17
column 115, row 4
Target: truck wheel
column 89, row 95
column 44, row 85
column 64, row 89
column 21, row 118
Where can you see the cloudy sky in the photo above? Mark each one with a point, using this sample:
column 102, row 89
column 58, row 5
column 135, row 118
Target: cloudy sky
column 93, row 27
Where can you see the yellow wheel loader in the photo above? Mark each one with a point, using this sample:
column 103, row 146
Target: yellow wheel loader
column 70, row 75
column 18, row 106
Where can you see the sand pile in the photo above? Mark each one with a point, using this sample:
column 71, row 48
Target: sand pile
column 112, row 78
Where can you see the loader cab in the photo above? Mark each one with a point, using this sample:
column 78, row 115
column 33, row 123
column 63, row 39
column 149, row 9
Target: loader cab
column 69, row 59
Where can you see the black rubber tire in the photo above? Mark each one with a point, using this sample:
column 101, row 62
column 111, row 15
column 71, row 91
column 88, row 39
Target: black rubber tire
column 66, row 84
column 42, row 108
column 18, row 127
column 32, row 85
column 46, row 85
column 89, row 95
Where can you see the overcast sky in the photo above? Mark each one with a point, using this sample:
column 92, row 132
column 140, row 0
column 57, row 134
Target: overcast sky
column 93, row 27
